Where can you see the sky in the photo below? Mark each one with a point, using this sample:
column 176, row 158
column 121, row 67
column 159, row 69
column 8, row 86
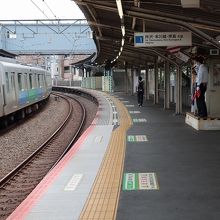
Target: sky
column 39, row 9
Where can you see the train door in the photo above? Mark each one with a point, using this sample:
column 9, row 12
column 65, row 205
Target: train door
column 213, row 90
column 9, row 92
column 1, row 95
column 13, row 88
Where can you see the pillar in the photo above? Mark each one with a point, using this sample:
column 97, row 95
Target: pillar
column 167, row 86
column 132, row 81
column 178, row 90
column 146, row 89
column 156, row 99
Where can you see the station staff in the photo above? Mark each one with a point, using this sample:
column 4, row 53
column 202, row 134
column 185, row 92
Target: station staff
column 201, row 85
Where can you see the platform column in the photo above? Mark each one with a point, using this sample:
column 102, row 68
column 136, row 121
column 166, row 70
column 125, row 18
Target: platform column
column 147, row 96
column 178, row 90
column 156, row 82
column 167, row 86
column 132, row 81
column 126, row 79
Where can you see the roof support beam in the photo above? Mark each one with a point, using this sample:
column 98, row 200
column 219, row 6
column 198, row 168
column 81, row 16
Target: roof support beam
column 164, row 18
column 142, row 14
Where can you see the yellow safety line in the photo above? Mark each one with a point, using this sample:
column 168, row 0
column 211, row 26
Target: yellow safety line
column 102, row 202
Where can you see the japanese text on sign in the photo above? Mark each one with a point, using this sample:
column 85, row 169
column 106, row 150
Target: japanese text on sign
column 158, row 39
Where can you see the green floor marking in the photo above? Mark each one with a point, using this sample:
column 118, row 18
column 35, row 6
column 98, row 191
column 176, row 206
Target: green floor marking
column 130, row 181
column 137, row 138
column 131, row 138
column 139, row 120
column 134, row 112
column 140, row 181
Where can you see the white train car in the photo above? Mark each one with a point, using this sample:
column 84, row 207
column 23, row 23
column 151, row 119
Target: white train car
column 21, row 87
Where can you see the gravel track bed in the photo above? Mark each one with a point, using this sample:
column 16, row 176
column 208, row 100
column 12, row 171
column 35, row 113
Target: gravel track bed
column 20, row 142
column 91, row 109
column 29, row 135
column 27, row 179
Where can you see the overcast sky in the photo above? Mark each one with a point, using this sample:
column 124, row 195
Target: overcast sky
column 39, row 9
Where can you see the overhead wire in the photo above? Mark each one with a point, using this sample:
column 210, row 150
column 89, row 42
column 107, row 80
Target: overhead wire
column 39, row 9
column 50, row 9
column 70, row 40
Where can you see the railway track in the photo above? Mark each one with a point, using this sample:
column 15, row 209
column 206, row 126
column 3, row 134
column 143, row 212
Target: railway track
column 18, row 184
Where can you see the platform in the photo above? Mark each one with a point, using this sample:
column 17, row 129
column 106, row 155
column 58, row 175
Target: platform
column 154, row 167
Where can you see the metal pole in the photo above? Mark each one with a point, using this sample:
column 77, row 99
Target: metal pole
column 167, row 86
column 156, row 100
column 147, row 97
column 132, row 81
column 70, row 75
column 178, row 90
column 126, row 78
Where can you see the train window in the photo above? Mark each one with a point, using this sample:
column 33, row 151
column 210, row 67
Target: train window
column 34, row 80
column 12, row 80
column 7, row 82
column 38, row 80
column 20, row 81
column 13, row 92
column 44, row 80
column 30, row 81
column 25, row 81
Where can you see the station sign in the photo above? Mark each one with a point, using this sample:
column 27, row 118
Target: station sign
column 160, row 39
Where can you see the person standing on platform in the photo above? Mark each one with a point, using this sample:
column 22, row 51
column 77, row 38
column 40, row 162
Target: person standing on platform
column 201, row 86
column 140, row 91
column 193, row 89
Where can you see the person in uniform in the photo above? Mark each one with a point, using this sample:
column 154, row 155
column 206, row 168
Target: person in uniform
column 201, row 86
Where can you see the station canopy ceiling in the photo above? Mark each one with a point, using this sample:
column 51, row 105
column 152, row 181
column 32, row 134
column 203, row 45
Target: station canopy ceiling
column 202, row 18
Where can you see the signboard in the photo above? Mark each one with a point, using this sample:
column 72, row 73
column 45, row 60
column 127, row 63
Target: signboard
column 182, row 56
column 160, row 39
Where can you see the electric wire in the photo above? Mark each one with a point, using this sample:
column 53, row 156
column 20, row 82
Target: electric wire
column 50, row 9
column 40, row 9
column 70, row 40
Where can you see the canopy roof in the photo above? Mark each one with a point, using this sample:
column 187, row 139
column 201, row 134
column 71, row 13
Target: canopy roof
column 150, row 16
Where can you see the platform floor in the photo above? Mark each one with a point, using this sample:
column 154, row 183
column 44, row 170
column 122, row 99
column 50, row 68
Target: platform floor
column 155, row 167
column 186, row 163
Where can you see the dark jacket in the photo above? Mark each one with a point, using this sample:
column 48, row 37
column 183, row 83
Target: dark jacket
column 140, row 87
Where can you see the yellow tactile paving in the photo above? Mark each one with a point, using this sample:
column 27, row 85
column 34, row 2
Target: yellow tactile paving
column 103, row 199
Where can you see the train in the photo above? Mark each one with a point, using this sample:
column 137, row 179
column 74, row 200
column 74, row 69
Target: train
column 22, row 89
